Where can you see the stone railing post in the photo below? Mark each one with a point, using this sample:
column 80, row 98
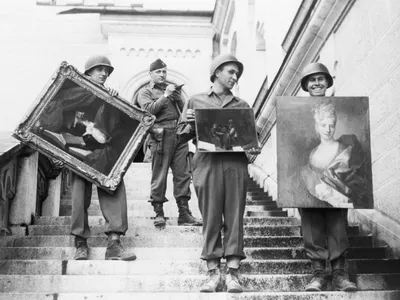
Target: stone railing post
column 23, row 206
column 51, row 205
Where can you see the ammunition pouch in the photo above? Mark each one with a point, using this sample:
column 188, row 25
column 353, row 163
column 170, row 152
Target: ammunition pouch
column 157, row 134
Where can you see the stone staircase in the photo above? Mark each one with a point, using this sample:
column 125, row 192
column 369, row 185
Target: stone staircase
column 40, row 265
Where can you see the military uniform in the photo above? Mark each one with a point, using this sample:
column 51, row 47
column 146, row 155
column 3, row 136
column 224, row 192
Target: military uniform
column 166, row 150
column 220, row 181
column 113, row 208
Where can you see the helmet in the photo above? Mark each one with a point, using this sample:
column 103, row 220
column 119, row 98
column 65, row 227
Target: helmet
column 97, row 60
column 222, row 59
column 315, row 68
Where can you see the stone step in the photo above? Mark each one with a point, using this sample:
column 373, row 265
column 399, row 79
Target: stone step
column 148, row 221
column 166, row 240
column 135, row 230
column 261, row 202
column 173, row 283
column 142, row 207
column 259, row 197
column 138, row 205
column 95, row 211
column 263, row 207
column 145, row 253
column 360, row 295
column 172, row 267
column 173, row 211
column 256, row 192
column 269, row 213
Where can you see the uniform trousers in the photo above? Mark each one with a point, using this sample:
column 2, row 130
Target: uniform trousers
column 173, row 156
column 220, row 181
column 324, row 232
column 113, row 208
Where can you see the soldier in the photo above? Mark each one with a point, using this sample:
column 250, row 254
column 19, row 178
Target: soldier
column 165, row 102
column 113, row 207
column 220, row 181
column 324, row 224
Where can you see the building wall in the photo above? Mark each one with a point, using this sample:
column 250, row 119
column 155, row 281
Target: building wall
column 257, row 27
column 34, row 41
column 188, row 58
column 367, row 63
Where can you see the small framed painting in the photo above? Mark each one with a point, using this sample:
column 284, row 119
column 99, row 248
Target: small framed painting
column 225, row 129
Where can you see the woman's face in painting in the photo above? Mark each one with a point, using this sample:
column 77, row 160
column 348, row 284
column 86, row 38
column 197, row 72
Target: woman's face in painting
column 325, row 127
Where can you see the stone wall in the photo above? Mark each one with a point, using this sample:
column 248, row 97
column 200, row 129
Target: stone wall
column 367, row 63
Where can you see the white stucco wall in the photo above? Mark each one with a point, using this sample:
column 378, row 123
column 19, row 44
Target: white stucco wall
column 368, row 64
column 188, row 61
column 34, row 41
column 275, row 18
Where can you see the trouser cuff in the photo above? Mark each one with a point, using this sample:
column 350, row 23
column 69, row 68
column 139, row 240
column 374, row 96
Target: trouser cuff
column 213, row 263
column 233, row 262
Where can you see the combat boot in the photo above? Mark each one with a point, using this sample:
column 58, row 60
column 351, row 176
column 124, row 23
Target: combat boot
column 185, row 217
column 232, row 281
column 81, row 248
column 212, row 282
column 159, row 220
column 319, row 280
column 115, row 251
column 340, row 278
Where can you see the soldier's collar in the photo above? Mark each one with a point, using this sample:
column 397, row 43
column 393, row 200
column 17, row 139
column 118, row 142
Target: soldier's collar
column 230, row 95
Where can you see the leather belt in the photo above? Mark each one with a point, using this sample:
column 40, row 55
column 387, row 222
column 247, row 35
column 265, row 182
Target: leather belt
column 169, row 124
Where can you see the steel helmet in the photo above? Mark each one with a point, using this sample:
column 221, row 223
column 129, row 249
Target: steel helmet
column 97, row 60
column 315, row 68
column 222, row 59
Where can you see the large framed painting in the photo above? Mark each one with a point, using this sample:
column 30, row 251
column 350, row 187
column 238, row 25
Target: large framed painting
column 324, row 152
column 76, row 121
column 225, row 129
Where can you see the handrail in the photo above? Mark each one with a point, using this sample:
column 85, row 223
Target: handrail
column 28, row 188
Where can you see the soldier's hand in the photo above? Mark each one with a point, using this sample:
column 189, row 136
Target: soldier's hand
column 112, row 92
column 190, row 116
column 169, row 90
column 254, row 150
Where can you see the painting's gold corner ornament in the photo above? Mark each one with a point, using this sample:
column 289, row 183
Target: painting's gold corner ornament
column 24, row 135
column 112, row 183
column 65, row 68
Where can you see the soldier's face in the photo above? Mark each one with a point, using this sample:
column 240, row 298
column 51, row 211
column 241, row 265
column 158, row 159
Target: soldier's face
column 159, row 75
column 99, row 74
column 228, row 75
column 317, row 84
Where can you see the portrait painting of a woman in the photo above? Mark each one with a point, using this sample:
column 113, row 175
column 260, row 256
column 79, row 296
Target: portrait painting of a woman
column 333, row 171
column 324, row 152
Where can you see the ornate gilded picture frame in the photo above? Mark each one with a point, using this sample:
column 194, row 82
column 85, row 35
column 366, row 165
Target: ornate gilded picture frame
column 225, row 130
column 76, row 121
column 324, row 152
